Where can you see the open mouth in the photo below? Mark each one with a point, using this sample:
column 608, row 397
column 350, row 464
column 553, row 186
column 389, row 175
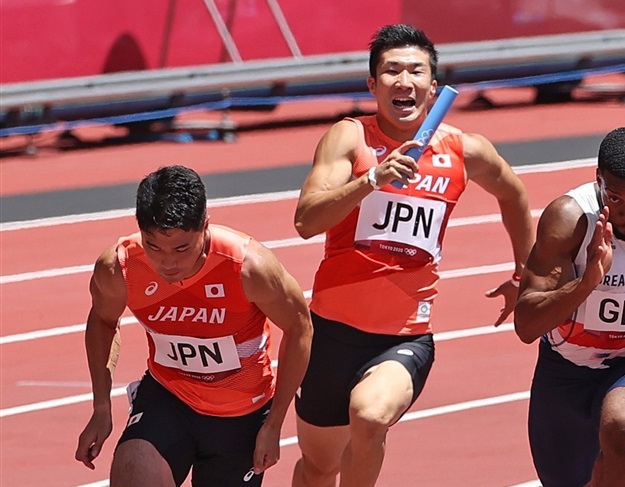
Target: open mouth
column 404, row 103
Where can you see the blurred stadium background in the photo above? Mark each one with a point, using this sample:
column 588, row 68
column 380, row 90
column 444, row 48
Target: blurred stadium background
column 140, row 64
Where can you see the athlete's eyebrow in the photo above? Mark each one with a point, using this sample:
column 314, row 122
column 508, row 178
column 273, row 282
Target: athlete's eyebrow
column 417, row 64
column 177, row 247
column 151, row 243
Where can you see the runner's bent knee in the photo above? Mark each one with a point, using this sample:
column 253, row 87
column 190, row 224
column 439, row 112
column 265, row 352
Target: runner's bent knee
column 316, row 468
column 321, row 448
column 613, row 422
column 379, row 400
column 374, row 416
column 138, row 463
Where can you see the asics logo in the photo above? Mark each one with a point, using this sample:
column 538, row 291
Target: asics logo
column 135, row 419
column 151, row 289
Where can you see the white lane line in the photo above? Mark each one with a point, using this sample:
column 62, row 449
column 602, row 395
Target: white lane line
column 256, row 198
column 472, row 332
column 118, row 391
column 58, row 383
column 52, row 332
column 424, row 413
column 272, row 244
column 538, row 168
column 464, row 406
column 55, row 403
column 64, row 330
column 555, row 166
column 47, row 273
column 79, row 269
column 128, row 212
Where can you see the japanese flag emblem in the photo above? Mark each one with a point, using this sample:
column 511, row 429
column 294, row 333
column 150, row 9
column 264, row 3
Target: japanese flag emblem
column 441, row 160
column 214, row 290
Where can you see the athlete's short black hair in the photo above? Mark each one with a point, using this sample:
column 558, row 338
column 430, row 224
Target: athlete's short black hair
column 612, row 153
column 400, row 35
column 171, row 197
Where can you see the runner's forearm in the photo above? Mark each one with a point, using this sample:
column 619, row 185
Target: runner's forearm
column 102, row 343
column 292, row 363
column 537, row 313
column 319, row 211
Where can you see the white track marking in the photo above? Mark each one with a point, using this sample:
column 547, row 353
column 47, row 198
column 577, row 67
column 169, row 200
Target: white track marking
column 127, row 320
column 272, row 244
column 262, row 198
column 415, row 415
column 255, row 198
column 119, row 391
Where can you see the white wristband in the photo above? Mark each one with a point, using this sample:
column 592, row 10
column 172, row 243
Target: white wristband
column 372, row 179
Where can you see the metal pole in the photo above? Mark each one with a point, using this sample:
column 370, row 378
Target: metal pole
column 223, row 31
column 284, row 28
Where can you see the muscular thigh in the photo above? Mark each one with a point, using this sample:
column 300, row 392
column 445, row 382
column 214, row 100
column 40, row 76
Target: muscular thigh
column 161, row 419
column 413, row 357
column 220, row 450
column 341, row 355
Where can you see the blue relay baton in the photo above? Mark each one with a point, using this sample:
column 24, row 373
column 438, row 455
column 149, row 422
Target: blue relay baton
column 430, row 124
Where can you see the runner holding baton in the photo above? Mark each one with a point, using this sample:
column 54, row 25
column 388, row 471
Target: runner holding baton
column 374, row 290
column 430, row 124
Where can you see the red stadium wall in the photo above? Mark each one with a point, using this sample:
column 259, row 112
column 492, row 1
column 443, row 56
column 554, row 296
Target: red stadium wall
column 43, row 39
column 47, row 39
column 475, row 20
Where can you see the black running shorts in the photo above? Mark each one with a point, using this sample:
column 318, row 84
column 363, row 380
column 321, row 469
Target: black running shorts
column 340, row 357
column 564, row 411
column 220, row 449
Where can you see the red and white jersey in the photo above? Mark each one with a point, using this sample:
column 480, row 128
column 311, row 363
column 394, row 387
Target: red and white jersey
column 208, row 344
column 380, row 268
column 596, row 331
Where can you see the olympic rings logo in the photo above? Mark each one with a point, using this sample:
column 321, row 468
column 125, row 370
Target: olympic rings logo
column 410, row 252
column 425, row 136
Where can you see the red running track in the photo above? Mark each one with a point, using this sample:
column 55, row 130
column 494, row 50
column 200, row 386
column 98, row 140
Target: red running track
column 467, row 428
column 480, row 446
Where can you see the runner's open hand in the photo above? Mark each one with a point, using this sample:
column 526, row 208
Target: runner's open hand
column 510, row 293
column 92, row 438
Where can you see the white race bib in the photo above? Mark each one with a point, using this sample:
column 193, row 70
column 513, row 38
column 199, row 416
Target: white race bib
column 605, row 312
column 200, row 355
column 389, row 219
